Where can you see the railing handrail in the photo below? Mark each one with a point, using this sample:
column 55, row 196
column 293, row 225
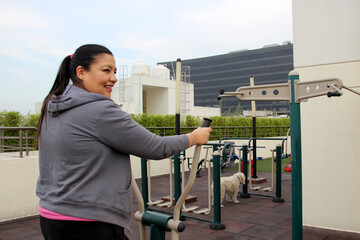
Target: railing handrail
column 34, row 128
column 21, row 137
column 17, row 128
column 220, row 127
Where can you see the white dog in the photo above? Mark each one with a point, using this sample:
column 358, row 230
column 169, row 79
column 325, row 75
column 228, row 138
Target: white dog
column 229, row 187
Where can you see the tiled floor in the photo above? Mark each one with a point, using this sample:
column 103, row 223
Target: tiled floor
column 252, row 219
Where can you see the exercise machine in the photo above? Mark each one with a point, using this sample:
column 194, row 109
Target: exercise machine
column 294, row 92
column 161, row 223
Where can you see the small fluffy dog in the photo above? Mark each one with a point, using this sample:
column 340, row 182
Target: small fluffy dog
column 229, row 187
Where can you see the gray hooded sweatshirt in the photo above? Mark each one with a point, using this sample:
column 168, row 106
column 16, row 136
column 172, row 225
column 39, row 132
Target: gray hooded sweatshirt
column 84, row 146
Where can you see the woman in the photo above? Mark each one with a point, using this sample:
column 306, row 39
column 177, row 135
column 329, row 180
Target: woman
column 85, row 140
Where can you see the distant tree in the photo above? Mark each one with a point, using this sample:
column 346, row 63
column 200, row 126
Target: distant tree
column 10, row 119
column 30, row 120
column 238, row 110
column 229, row 113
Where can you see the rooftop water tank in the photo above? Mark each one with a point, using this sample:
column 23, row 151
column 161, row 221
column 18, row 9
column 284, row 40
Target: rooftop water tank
column 161, row 72
column 141, row 69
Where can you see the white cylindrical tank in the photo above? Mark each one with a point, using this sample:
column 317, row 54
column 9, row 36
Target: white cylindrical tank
column 161, row 72
column 141, row 68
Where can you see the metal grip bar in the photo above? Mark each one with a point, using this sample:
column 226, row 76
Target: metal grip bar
column 310, row 89
column 189, row 185
column 279, row 92
column 282, row 92
column 141, row 206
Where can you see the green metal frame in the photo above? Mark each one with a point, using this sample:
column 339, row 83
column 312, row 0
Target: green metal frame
column 296, row 168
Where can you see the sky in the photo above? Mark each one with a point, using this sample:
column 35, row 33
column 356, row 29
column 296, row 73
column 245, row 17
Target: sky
column 36, row 35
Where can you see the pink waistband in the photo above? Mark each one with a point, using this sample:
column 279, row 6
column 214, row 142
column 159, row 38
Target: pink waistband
column 57, row 216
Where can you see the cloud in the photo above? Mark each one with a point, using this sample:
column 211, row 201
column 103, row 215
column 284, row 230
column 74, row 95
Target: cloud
column 24, row 35
column 213, row 28
column 19, row 72
column 236, row 24
column 15, row 17
column 36, row 35
column 29, row 48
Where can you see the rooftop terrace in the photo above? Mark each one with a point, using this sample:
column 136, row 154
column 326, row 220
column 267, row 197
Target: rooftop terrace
column 253, row 218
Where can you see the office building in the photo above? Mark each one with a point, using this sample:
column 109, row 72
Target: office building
column 270, row 64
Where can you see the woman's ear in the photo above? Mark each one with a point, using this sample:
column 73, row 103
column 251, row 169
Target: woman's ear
column 80, row 72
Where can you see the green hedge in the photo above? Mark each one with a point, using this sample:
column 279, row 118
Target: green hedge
column 266, row 127
column 16, row 119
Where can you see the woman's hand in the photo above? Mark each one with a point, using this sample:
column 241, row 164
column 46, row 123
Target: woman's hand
column 199, row 136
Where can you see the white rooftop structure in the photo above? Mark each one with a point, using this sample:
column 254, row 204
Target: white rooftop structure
column 151, row 91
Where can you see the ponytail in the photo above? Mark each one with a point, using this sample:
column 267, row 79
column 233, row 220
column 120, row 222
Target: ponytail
column 61, row 81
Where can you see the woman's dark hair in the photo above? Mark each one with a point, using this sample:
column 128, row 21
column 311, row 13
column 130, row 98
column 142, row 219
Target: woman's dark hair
column 84, row 56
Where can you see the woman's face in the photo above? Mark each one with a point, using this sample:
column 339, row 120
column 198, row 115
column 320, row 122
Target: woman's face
column 101, row 76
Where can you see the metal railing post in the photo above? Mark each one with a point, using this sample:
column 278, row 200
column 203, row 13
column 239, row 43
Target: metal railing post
column 2, row 142
column 20, row 144
column 27, row 143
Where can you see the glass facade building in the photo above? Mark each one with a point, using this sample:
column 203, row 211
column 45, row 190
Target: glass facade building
column 268, row 65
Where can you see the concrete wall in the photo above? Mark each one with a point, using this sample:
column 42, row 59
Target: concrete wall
column 18, row 177
column 18, row 183
column 156, row 100
column 205, row 111
column 325, row 31
column 326, row 45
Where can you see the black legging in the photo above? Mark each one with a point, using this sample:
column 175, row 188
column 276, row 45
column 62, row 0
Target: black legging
column 80, row 230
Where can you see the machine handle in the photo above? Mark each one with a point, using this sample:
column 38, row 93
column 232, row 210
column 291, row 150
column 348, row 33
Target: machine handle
column 207, row 122
column 221, row 91
column 334, row 94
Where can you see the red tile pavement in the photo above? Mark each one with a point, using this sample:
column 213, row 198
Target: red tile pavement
column 253, row 218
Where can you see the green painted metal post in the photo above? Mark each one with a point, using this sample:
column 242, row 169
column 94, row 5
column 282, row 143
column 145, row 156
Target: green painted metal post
column 217, row 225
column 158, row 224
column 245, row 151
column 295, row 126
column 144, row 182
column 177, row 177
column 156, row 233
column 278, row 175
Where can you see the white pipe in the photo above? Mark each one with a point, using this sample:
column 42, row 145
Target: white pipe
column 171, row 201
column 141, row 207
column 207, row 210
column 253, row 106
column 184, row 208
column 150, row 201
column 352, row 90
column 189, row 185
column 269, row 189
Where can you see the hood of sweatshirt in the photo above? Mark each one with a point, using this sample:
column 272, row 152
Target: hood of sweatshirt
column 71, row 98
